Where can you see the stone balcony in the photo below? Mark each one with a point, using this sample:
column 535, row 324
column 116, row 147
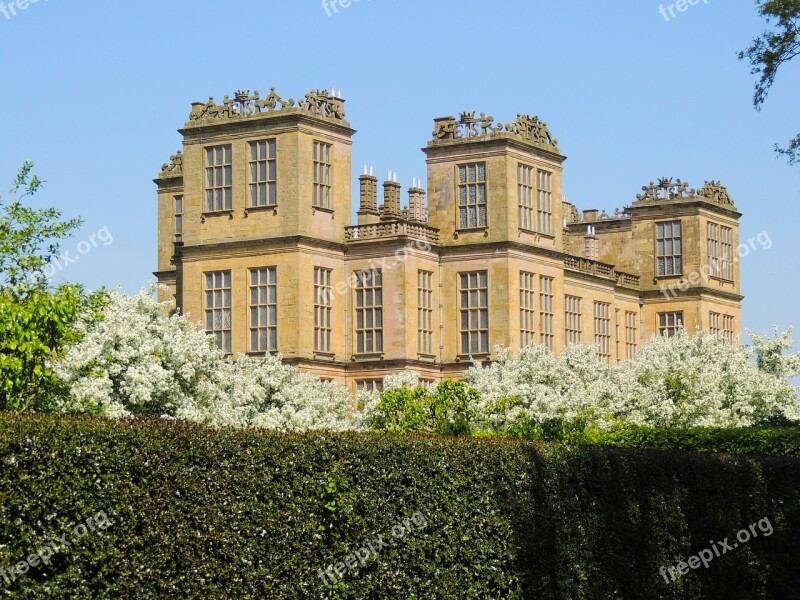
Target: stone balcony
column 391, row 229
column 600, row 269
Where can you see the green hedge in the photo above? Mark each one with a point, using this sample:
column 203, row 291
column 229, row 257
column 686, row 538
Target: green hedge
column 246, row 514
column 784, row 441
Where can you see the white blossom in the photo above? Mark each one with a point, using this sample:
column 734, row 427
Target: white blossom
column 139, row 361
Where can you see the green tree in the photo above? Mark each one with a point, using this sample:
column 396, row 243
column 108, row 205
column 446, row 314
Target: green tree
column 36, row 322
column 770, row 50
column 448, row 410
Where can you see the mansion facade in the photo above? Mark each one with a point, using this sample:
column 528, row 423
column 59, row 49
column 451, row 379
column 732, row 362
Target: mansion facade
column 255, row 240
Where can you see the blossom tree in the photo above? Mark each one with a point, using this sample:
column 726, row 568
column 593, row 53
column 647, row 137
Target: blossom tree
column 140, row 361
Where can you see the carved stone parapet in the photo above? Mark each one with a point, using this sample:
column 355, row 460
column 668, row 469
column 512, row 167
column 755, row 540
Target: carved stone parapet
column 317, row 102
column 667, row 189
column 468, row 126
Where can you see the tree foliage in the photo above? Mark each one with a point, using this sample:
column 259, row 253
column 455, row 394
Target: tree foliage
column 445, row 409
column 772, row 49
column 29, row 237
column 36, row 322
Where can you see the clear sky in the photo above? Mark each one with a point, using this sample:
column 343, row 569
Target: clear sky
column 94, row 92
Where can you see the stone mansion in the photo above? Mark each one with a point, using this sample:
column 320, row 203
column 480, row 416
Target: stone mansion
column 255, row 240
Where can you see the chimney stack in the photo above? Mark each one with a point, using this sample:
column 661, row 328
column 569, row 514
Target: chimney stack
column 391, row 197
column 416, row 202
column 368, row 202
column 592, row 244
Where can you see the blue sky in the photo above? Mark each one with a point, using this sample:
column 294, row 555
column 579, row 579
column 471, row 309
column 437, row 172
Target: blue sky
column 94, row 94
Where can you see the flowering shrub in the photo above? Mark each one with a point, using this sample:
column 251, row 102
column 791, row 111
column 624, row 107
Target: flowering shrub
column 139, row 361
column 682, row 381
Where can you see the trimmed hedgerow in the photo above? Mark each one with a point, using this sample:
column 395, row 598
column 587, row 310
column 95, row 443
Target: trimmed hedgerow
column 199, row 513
column 781, row 441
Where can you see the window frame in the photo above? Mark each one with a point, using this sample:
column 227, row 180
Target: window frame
column 322, row 164
column 270, row 183
column 269, row 305
column 602, row 329
column 631, row 334
column 479, row 184
column 547, row 311
column 544, row 202
column 211, row 184
column 178, row 211
column 480, row 309
column 526, row 196
column 223, row 337
column 527, row 308
column 425, row 312
column 323, row 310
column 573, row 319
column 662, row 254
column 667, row 327
column 364, row 311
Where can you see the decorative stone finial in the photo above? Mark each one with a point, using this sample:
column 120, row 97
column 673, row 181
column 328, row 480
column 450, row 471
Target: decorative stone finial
column 174, row 166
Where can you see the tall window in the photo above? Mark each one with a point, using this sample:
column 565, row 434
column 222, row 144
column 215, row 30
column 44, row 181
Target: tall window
column 714, row 323
column 668, row 246
column 369, row 311
column 727, row 253
column 573, row 319
column 474, row 291
column 218, row 308
column 263, row 175
column 263, row 310
column 631, row 338
column 546, row 312
column 544, row 205
column 527, row 308
column 425, row 312
column 727, row 327
column 472, row 196
column 218, row 178
column 178, row 218
column 323, row 307
column 525, row 196
column 713, row 250
column 322, row 175
column 602, row 330
column 669, row 323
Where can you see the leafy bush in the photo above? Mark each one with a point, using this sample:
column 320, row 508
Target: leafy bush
column 750, row 440
column 198, row 513
column 34, row 330
column 445, row 409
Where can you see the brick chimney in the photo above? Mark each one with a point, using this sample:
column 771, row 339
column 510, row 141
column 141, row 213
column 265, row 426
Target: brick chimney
column 368, row 199
column 391, row 197
column 592, row 244
column 416, row 202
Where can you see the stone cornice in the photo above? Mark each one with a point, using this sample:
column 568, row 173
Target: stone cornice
column 251, row 247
